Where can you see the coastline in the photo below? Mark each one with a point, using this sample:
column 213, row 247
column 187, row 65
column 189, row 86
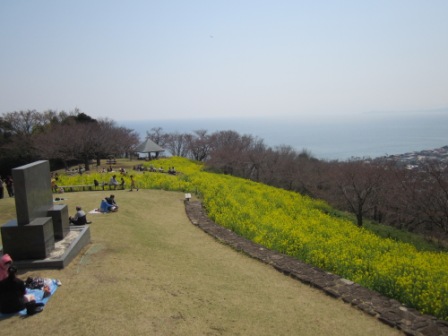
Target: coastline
column 370, row 136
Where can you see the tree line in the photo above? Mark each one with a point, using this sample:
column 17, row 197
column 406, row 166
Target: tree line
column 415, row 200
column 378, row 190
column 62, row 137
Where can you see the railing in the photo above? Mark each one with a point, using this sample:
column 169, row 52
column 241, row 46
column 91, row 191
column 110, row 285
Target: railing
column 81, row 187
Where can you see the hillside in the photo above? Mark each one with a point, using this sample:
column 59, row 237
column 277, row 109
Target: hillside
column 304, row 228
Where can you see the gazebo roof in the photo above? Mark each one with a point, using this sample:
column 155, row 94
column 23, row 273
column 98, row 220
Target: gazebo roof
column 149, row 146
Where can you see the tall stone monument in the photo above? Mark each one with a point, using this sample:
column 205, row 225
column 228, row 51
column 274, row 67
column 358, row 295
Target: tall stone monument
column 39, row 224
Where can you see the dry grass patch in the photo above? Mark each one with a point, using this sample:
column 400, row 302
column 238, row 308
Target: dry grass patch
column 149, row 271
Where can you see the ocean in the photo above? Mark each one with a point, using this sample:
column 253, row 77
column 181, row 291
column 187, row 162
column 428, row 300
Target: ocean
column 370, row 135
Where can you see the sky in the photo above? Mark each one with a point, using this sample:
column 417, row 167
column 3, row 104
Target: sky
column 140, row 60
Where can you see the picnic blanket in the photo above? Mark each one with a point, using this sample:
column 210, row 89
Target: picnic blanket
column 53, row 284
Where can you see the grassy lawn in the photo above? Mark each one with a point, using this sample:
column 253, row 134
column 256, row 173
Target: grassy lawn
column 149, row 271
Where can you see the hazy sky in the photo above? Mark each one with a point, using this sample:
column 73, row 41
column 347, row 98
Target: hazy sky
column 176, row 59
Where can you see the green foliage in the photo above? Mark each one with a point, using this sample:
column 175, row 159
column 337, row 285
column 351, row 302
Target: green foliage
column 386, row 231
column 304, row 228
column 420, row 243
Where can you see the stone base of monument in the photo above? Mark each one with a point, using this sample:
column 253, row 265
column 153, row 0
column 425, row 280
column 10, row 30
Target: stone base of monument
column 61, row 225
column 34, row 240
column 64, row 251
column 41, row 236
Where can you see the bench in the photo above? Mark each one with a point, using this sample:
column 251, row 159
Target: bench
column 111, row 162
column 111, row 186
column 81, row 187
column 187, row 197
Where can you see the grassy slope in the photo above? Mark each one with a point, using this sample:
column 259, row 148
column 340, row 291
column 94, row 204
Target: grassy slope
column 150, row 271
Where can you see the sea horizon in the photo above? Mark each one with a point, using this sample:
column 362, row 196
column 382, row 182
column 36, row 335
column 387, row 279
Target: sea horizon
column 372, row 135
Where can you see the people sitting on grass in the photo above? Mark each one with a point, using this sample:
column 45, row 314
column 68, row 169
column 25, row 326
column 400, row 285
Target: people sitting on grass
column 13, row 297
column 111, row 201
column 80, row 217
column 108, row 204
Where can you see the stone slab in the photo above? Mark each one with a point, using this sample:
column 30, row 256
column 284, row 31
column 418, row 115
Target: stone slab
column 65, row 251
column 32, row 191
column 61, row 225
column 34, row 240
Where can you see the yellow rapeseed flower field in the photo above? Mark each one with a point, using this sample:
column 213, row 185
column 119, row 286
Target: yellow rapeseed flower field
column 296, row 225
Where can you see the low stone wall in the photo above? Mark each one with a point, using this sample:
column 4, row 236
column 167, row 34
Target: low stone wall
column 387, row 310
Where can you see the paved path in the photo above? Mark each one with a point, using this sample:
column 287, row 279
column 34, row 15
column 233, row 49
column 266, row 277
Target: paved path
column 388, row 311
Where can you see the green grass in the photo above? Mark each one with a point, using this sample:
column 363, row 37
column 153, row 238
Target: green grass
column 149, row 271
column 420, row 243
column 218, row 197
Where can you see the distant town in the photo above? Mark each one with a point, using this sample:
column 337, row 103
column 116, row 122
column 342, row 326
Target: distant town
column 413, row 160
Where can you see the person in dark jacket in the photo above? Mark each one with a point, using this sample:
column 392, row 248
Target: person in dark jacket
column 80, row 217
column 10, row 186
column 13, row 297
column 112, row 205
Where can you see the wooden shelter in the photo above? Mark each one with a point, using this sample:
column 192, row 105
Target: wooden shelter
column 147, row 147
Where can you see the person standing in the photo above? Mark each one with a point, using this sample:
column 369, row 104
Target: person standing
column 54, row 186
column 133, row 183
column 10, row 186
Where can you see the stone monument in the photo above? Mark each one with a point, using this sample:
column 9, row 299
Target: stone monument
column 30, row 239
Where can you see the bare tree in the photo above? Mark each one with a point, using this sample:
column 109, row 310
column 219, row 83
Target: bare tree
column 432, row 196
column 176, row 144
column 256, row 155
column 123, row 140
column 21, row 126
column 84, row 139
column 56, row 144
column 199, row 145
column 229, row 152
column 23, row 122
column 359, row 184
column 286, row 170
column 157, row 135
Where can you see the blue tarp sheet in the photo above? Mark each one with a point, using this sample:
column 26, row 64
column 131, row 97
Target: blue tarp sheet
column 39, row 295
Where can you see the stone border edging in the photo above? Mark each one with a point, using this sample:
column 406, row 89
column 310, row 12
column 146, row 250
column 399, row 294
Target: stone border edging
column 388, row 311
